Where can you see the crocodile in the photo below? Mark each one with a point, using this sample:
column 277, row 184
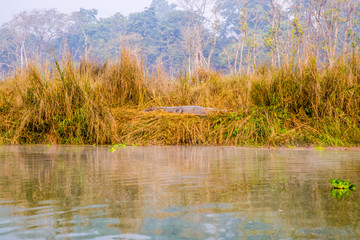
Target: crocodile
column 197, row 110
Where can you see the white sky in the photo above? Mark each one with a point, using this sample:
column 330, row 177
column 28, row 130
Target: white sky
column 105, row 8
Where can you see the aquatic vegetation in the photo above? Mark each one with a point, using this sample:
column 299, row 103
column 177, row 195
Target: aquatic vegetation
column 119, row 145
column 341, row 188
column 116, row 147
column 341, row 184
column 340, row 193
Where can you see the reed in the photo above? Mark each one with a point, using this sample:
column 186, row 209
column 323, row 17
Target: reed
column 309, row 90
column 124, row 81
column 56, row 105
column 102, row 103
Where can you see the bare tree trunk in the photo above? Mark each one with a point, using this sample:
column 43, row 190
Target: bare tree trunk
column 23, row 57
column 197, row 25
column 254, row 58
column 215, row 31
column 241, row 56
column 275, row 13
column 328, row 19
column 229, row 62
column 189, row 67
column 248, row 60
column 236, row 56
column 333, row 47
column 350, row 9
column 86, row 47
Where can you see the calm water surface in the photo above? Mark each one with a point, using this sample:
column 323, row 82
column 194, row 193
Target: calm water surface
column 77, row 192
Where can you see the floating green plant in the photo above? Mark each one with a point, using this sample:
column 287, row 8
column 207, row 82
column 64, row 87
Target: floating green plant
column 341, row 188
column 339, row 193
column 117, row 146
column 341, row 184
column 320, row 148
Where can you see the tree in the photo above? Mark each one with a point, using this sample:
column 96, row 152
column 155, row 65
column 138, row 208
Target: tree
column 244, row 25
column 8, row 50
column 201, row 20
column 77, row 36
column 33, row 32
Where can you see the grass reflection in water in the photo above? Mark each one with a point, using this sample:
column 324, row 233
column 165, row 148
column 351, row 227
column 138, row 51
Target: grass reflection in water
column 175, row 192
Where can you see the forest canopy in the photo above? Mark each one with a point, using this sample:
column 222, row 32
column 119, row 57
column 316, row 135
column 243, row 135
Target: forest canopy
column 234, row 36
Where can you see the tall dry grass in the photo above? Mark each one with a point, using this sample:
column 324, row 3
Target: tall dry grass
column 103, row 103
column 309, row 90
column 57, row 105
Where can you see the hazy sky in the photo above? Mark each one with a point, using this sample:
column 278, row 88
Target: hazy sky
column 106, row 8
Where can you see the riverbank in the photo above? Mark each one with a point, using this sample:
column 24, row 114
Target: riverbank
column 252, row 127
column 87, row 103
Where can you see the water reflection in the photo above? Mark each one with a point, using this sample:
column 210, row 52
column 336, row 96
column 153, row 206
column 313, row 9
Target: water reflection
column 175, row 193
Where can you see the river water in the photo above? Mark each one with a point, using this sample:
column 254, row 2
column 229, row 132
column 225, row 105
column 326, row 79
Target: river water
column 96, row 192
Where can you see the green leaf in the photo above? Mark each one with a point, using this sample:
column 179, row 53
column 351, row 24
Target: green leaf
column 341, row 184
column 339, row 193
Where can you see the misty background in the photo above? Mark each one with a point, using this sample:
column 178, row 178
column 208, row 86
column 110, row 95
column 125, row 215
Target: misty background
column 232, row 36
column 106, row 8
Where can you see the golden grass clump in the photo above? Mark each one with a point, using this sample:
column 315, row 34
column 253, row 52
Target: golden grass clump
column 124, row 81
column 309, row 90
column 58, row 105
column 215, row 90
